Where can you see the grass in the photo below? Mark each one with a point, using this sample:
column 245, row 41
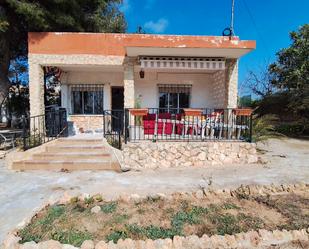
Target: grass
column 231, row 224
column 72, row 237
column 109, row 207
column 157, row 218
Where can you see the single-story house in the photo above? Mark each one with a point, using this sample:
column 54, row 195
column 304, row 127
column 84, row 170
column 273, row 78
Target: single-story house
column 102, row 71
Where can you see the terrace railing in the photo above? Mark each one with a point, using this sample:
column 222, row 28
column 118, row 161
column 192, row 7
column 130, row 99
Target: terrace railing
column 202, row 124
column 43, row 128
column 113, row 127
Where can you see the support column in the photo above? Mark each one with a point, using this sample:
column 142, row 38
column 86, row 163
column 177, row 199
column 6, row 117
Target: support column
column 231, row 83
column 128, row 84
column 36, row 96
column 36, row 89
column 65, row 96
column 107, row 105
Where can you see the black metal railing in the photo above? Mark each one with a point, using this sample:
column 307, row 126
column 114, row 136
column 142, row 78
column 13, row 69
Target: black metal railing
column 113, row 127
column 200, row 124
column 43, row 128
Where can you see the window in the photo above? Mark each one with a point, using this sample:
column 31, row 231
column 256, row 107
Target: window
column 174, row 97
column 87, row 99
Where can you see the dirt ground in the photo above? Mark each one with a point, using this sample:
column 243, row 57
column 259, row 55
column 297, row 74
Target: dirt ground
column 21, row 192
column 158, row 218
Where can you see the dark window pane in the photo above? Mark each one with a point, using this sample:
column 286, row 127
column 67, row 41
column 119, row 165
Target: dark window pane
column 163, row 101
column 88, row 102
column 184, row 99
column 98, row 102
column 77, row 102
column 173, row 102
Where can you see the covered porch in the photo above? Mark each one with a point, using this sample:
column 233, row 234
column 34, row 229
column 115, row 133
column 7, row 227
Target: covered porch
column 166, row 76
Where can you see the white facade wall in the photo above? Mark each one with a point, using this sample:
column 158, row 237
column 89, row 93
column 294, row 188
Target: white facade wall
column 146, row 89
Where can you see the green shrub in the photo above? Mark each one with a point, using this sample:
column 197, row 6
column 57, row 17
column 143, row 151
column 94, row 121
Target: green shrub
column 89, row 200
column 117, row 235
column 72, row 237
column 109, row 207
column 290, row 129
column 264, row 127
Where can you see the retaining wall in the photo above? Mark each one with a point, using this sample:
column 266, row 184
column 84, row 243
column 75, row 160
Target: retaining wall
column 147, row 154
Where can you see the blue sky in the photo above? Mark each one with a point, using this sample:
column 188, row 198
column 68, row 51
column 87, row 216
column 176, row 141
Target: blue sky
column 266, row 21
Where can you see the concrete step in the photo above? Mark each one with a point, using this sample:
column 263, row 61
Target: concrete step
column 71, row 155
column 76, row 148
column 69, row 165
column 84, row 141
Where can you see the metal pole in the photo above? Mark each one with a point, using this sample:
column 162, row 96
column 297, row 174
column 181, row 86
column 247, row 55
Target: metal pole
column 232, row 18
column 125, row 125
column 24, row 131
column 250, row 135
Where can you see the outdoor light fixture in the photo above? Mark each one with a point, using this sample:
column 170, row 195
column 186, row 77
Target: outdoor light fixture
column 142, row 74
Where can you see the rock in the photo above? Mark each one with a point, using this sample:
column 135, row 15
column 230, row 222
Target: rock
column 11, row 242
column 177, row 242
column 50, row 244
column 29, row 245
column 252, row 159
column 129, row 243
column 66, row 246
column 95, row 209
column 201, row 156
column 149, row 244
column 135, row 197
column 199, row 194
column 87, row 244
column 101, row 245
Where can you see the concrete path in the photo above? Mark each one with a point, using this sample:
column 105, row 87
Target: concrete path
column 21, row 192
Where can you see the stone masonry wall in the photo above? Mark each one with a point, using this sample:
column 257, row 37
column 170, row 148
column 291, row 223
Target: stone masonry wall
column 176, row 154
column 87, row 122
column 231, row 83
column 218, row 88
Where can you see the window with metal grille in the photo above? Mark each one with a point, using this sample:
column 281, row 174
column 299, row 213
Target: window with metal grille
column 174, row 97
column 87, row 99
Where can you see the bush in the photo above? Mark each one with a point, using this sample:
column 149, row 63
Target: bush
column 264, row 127
column 291, row 129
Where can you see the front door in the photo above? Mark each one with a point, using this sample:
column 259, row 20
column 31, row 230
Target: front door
column 117, row 108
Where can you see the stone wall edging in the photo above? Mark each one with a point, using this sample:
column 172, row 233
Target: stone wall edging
column 256, row 239
column 147, row 154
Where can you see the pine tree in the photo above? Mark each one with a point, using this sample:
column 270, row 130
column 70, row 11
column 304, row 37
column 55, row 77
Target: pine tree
column 18, row 17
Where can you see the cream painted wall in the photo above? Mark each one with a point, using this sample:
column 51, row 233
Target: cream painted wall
column 89, row 77
column 201, row 95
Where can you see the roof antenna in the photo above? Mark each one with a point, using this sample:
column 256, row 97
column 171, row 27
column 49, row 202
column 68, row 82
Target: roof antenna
column 230, row 30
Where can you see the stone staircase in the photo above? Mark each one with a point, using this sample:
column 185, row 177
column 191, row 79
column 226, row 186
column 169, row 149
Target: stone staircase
column 71, row 154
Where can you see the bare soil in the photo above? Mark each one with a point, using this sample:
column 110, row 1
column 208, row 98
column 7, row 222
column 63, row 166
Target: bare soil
column 154, row 217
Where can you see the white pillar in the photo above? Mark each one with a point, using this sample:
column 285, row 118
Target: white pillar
column 128, row 84
column 231, row 83
column 107, row 105
column 36, row 89
column 65, row 96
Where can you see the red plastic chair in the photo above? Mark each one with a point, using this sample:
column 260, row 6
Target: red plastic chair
column 149, row 127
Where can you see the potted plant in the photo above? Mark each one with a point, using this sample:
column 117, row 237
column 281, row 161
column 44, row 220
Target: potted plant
column 137, row 129
column 192, row 112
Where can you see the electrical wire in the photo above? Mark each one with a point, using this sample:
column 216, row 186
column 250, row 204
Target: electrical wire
column 256, row 27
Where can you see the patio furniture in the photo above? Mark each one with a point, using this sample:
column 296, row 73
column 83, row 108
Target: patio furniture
column 8, row 138
column 211, row 124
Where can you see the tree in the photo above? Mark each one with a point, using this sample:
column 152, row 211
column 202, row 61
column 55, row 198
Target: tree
column 18, row 17
column 259, row 82
column 290, row 73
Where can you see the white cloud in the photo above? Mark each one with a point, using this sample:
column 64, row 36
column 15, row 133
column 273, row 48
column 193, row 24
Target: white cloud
column 158, row 26
column 125, row 6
